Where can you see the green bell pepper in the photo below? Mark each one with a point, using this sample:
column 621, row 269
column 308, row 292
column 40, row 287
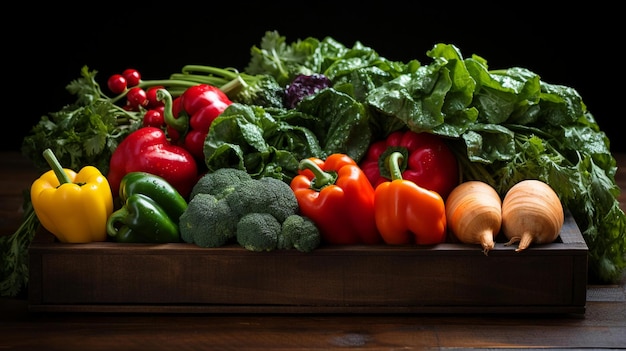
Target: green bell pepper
column 150, row 212
column 126, row 235
column 143, row 220
column 155, row 187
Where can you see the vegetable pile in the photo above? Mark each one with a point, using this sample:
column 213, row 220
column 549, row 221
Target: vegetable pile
column 313, row 98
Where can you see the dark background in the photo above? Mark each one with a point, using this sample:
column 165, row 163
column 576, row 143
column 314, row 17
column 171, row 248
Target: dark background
column 579, row 48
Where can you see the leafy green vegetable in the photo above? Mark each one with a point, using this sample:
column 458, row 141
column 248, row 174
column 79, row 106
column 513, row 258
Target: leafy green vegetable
column 84, row 133
column 271, row 142
column 344, row 123
column 285, row 61
column 14, row 248
column 262, row 90
column 240, row 138
column 504, row 125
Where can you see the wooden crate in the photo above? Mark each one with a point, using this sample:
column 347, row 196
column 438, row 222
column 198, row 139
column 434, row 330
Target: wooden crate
column 445, row 278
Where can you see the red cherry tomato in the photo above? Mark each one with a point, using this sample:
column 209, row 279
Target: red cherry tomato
column 137, row 97
column 153, row 102
column 154, row 118
column 132, row 77
column 117, row 84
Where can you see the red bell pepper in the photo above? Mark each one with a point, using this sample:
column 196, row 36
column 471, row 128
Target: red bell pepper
column 406, row 213
column 148, row 150
column 427, row 161
column 337, row 196
column 191, row 114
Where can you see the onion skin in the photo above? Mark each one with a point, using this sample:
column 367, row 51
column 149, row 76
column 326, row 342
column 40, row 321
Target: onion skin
column 474, row 214
column 531, row 213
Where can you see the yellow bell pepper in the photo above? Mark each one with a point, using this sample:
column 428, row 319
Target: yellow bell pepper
column 74, row 207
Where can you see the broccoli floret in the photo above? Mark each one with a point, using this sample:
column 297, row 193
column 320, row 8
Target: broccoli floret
column 220, row 182
column 264, row 195
column 207, row 222
column 299, row 232
column 258, row 231
column 282, row 202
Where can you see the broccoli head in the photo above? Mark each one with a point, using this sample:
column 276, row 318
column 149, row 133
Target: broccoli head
column 229, row 204
column 299, row 232
column 258, row 231
column 220, row 182
column 207, row 222
column 264, row 195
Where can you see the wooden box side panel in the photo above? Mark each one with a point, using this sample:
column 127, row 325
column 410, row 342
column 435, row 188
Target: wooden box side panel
column 350, row 278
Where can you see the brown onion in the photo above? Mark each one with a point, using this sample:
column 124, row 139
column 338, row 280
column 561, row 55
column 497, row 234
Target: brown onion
column 474, row 213
column 531, row 213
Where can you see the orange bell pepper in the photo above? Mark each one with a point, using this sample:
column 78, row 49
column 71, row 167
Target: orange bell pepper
column 406, row 212
column 339, row 198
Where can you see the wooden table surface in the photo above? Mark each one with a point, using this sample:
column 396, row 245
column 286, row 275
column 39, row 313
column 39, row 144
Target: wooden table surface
column 603, row 326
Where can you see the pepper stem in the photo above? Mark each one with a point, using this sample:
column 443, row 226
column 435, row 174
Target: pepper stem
column 56, row 167
column 383, row 167
column 320, row 177
column 393, row 161
column 182, row 122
